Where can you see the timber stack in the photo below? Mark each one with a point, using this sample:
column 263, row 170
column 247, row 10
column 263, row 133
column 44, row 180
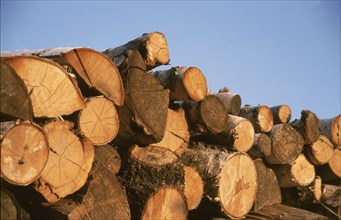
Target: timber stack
column 103, row 135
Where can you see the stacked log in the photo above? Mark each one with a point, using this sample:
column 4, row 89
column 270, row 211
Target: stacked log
column 94, row 135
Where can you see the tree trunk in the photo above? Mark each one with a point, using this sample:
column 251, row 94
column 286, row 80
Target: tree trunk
column 185, row 83
column 281, row 114
column 153, row 48
column 229, row 178
column 24, row 153
column 99, row 120
column 320, row 152
column 332, row 170
column 144, row 95
column 176, row 134
column 287, row 144
column 261, row 146
column 298, row 173
column 15, row 100
column 207, row 116
column 92, row 66
column 47, row 83
column 308, row 126
column 268, row 191
column 332, row 129
column 69, row 162
column 260, row 116
column 148, row 170
column 231, row 101
column 10, row 207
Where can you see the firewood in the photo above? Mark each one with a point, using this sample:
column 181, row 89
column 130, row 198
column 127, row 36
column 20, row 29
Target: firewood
column 152, row 46
column 261, row 146
column 51, row 90
column 320, row 152
column 332, row 129
column 15, row 100
column 69, row 162
column 148, row 170
column 297, row 173
column 24, row 153
column 331, row 196
column 260, row 116
column 207, row 116
column 229, row 177
column 268, row 191
column 308, row 126
column 99, row 120
column 231, row 101
column 176, row 134
column 10, row 207
column 287, row 144
column 194, row 187
column 185, row 83
column 281, row 114
column 144, row 95
column 332, row 170
column 109, row 157
column 92, row 66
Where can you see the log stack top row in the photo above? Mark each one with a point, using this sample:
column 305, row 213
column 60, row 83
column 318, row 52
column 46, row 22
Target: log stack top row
column 178, row 143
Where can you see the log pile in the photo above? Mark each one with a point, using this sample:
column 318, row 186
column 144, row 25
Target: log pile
column 91, row 135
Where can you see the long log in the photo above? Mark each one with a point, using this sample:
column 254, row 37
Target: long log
column 69, row 162
column 308, row 126
column 281, row 114
column 287, row 144
column 320, row 152
column 10, row 207
column 331, row 128
column 24, row 153
column 229, row 177
column 99, row 120
column 51, row 90
column 152, row 46
column 185, row 83
column 260, row 116
column 15, row 100
column 261, row 146
column 144, row 95
column 92, row 66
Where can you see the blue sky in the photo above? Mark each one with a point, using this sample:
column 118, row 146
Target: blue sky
column 269, row 52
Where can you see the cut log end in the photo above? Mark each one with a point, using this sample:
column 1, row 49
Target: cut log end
column 24, row 153
column 265, row 118
column 302, row 171
column 194, row 187
column 281, row 114
column 336, row 131
column 231, row 101
column 99, row 120
column 166, row 203
column 312, row 126
column 321, row 151
column 153, row 155
column 157, row 48
column 243, row 135
column 335, row 162
column 238, row 185
column 195, row 84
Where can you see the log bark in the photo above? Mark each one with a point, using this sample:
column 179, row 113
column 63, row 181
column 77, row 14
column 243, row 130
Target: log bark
column 268, row 191
column 144, row 95
column 229, row 177
column 281, row 114
column 260, row 116
column 231, row 101
column 153, row 48
column 331, row 196
column 332, row 170
column 238, row 135
column 176, row 134
column 297, row 173
column 147, row 171
column 15, row 100
column 10, row 207
column 331, row 128
column 320, row 152
column 109, row 157
column 287, row 144
column 69, row 162
column 92, row 66
column 24, row 153
column 261, row 146
column 99, row 120
column 308, row 126
column 207, row 116
column 185, row 83
column 47, row 83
